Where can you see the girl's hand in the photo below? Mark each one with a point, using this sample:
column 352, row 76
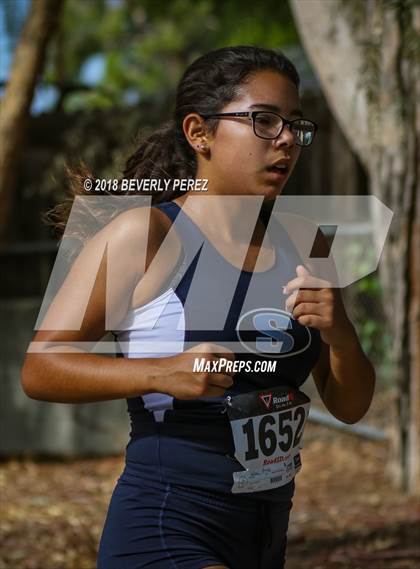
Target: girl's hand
column 178, row 378
column 313, row 302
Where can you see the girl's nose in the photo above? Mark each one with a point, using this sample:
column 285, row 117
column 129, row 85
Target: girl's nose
column 286, row 138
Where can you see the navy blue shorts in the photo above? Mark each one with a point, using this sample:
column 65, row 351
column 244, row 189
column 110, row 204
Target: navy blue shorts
column 157, row 525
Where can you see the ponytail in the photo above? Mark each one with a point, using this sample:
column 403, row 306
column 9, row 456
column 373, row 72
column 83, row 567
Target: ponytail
column 165, row 154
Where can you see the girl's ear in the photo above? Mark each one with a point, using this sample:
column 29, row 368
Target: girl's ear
column 196, row 133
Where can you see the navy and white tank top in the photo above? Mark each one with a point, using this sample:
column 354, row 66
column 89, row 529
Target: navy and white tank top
column 190, row 441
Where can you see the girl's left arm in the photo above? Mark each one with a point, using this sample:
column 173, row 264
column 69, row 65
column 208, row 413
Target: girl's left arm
column 344, row 376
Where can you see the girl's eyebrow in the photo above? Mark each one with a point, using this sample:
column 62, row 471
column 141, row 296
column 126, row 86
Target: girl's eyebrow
column 275, row 108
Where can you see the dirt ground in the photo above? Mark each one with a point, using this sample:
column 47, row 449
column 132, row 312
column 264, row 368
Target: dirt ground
column 345, row 515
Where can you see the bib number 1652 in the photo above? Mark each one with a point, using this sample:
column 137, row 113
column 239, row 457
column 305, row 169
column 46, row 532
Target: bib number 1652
column 268, row 433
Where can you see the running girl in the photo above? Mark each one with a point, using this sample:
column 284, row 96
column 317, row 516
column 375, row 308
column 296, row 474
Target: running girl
column 210, row 464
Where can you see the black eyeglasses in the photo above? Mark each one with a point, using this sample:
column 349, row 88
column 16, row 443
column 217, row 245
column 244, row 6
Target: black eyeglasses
column 270, row 125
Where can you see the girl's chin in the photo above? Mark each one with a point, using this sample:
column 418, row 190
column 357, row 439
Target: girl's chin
column 271, row 191
column 268, row 191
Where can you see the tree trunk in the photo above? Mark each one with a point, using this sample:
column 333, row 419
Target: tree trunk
column 27, row 65
column 365, row 54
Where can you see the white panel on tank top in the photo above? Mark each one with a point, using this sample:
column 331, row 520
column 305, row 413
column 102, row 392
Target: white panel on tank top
column 158, row 322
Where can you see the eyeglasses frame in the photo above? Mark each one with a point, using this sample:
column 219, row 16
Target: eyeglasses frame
column 251, row 116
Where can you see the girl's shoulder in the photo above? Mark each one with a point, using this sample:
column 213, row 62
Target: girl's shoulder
column 144, row 227
column 152, row 252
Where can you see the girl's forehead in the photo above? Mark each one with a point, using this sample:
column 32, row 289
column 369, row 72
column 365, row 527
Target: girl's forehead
column 269, row 87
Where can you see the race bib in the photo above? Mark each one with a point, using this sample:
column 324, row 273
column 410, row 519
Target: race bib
column 267, row 428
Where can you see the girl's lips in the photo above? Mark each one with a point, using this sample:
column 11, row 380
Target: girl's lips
column 277, row 173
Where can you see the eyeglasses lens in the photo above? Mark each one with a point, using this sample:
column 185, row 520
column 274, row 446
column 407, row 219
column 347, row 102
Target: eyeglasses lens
column 304, row 132
column 269, row 125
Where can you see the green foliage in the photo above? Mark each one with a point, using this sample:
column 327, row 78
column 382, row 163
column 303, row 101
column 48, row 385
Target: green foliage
column 371, row 324
column 147, row 44
column 365, row 300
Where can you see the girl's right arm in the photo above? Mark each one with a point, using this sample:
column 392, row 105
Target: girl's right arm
column 64, row 372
